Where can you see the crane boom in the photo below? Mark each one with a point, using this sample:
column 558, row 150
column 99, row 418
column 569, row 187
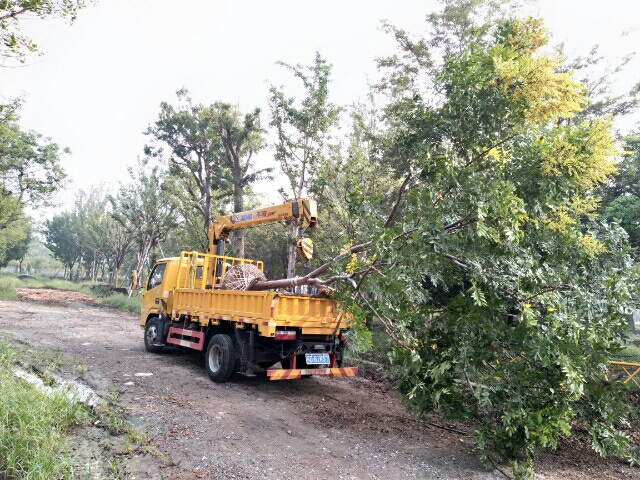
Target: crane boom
column 304, row 210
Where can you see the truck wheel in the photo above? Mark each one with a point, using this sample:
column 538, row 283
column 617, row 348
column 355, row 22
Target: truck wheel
column 152, row 336
column 220, row 358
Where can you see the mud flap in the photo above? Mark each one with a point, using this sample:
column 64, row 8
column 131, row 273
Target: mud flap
column 163, row 328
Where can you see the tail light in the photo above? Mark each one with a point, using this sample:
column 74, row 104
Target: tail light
column 285, row 335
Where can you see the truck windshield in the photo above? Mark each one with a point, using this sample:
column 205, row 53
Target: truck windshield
column 155, row 278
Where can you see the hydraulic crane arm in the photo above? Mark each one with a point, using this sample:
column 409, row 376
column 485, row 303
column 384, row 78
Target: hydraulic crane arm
column 306, row 211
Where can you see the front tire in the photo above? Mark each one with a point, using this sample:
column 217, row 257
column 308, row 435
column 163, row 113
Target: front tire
column 220, row 358
column 152, row 336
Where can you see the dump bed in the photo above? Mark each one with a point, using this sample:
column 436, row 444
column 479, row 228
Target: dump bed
column 313, row 315
column 196, row 293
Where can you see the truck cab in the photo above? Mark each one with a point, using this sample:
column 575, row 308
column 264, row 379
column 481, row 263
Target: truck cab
column 158, row 291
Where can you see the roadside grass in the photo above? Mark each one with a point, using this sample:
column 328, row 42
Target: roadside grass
column 37, row 429
column 9, row 282
column 33, row 426
column 8, row 285
column 630, row 353
column 121, row 302
column 42, row 281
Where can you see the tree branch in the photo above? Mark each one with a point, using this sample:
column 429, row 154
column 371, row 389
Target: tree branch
column 14, row 14
column 384, row 320
column 456, row 261
column 555, row 288
column 398, row 199
column 470, row 162
column 312, row 277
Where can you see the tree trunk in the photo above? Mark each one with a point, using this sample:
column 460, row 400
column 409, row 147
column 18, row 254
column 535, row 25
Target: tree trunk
column 238, row 206
column 309, row 279
column 206, row 213
column 141, row 256
column 94, row 269
column 291, row 254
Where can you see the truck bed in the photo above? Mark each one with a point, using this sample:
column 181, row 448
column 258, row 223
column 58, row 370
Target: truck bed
column 313, row 315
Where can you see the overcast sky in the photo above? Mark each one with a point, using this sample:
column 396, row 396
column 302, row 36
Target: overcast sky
column 99, row 82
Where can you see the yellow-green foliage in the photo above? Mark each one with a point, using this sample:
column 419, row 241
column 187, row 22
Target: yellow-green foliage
column 559, row 220
column 535, row 81
column 568, row 214
column 528, row 35
column 499, row 155
column 585, row 154
column 564, row 221
column 590, row 246
column 352, row 266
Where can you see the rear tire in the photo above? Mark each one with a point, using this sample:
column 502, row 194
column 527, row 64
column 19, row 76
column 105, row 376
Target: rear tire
column 220, row 358
column 152, row 336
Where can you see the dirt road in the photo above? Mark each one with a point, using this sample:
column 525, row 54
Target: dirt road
column 252, row 428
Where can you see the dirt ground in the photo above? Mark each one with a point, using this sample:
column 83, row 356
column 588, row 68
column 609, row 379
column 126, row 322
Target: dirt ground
column 316, row 428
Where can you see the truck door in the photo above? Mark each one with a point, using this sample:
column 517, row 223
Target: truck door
column 154, row 292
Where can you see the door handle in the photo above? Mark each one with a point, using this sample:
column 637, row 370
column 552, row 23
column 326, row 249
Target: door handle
column 157, row 301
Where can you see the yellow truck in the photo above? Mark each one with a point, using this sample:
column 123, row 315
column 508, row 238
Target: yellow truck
column 185, row 305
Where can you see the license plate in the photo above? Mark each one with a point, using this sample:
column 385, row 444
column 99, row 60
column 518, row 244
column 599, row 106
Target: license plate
column 317, row 358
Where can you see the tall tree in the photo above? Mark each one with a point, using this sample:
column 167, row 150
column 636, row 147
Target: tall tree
column 89, row 212
column 118, row 243
column 504, row 294
column 302, row 133
column 189, row 235
column 16, row 249
column 30, row 173
column 352, row 175
column 241, row 140
column 61, row 237
column 211, row 150
column 621, row 197
column 145, row 210
column 195, row 150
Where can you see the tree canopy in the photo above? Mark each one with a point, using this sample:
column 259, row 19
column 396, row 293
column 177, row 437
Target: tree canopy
column 212, row 153
column 503, row 290
column 30, row 173
column 15, row 45
column 302, row 134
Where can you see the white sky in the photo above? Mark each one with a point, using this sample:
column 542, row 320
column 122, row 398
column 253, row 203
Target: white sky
column 100, row 81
